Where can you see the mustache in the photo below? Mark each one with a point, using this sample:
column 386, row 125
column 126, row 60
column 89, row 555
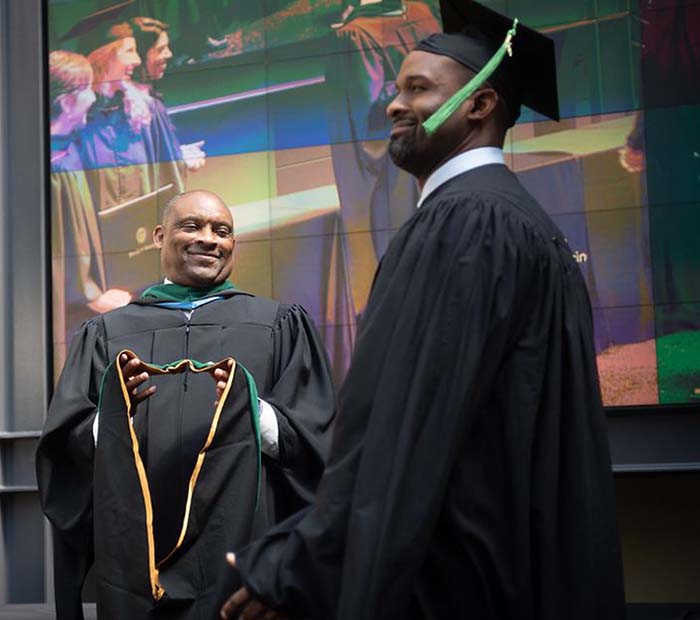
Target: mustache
column 199, row 248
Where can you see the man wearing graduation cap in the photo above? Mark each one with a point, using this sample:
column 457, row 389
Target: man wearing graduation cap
column 470, row 474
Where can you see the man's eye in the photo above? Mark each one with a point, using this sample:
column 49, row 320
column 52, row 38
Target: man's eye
column 188, row 227
column 417, row 88
column 223, row 232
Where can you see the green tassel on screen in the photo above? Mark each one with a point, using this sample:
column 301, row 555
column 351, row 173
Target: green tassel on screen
column 432, row 124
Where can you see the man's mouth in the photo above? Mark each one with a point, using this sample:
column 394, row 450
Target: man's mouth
column 401, row 127
column 208, row 256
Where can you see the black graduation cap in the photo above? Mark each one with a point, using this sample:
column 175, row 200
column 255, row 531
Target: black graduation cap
column 473, row 35
column 94, row 30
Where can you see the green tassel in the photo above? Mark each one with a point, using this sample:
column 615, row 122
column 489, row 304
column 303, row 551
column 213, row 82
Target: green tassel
column 432, row 124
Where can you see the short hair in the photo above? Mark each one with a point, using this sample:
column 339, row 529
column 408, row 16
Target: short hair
column 68, row 72
column 167, row 209
column 99, row 58
column 146, row 32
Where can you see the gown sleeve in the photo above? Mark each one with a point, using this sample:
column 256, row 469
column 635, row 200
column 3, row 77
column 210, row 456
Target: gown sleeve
column 437, row 321
column 65, row 466
column 303, row 397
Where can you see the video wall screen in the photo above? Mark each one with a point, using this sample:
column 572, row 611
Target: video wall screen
column 278, row 106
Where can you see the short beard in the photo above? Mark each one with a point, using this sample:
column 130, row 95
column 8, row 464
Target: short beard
column 402, row 151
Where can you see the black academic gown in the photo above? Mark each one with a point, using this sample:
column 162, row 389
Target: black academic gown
column 277, row 343
column 469, row 475
column 141, row 570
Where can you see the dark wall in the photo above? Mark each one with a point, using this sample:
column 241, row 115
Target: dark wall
column 660, row 529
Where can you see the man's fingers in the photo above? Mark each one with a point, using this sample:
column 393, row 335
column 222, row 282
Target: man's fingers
column 255, row 610
column 130, row 364
column 133, row 381
column 221, row 376
column 139, row 397
column 252, row 611
column 227, row 609
column 238, row 598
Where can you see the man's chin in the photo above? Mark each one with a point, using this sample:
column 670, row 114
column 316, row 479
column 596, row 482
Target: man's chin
column 402, row 153
column 200, row 278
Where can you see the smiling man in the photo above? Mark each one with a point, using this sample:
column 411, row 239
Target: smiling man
column 470, row 475
column 196, row 314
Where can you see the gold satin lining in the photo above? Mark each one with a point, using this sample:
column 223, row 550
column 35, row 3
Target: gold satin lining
column 156, row 589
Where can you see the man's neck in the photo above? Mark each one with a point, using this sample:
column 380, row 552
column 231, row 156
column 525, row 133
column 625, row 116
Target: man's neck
column 463, row 162
column 171, row 291
column 471, row 143
column 201, row 288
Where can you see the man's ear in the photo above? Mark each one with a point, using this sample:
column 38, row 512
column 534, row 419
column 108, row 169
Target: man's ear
column 485, row 102
column 158, row 234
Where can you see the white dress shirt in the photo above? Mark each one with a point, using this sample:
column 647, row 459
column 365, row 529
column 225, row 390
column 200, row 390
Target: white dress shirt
column 463, row 162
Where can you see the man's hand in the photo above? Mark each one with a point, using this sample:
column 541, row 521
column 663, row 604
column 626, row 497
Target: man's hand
column 109, row 300
column 133, row 371
column 193, row 155
column 243, row 606
column 220, row 376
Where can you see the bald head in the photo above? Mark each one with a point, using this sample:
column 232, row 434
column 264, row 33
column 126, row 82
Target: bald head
column 194, row 194
column 196, row 239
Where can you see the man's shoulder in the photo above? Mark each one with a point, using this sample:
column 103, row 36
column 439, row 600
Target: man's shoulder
column 494, row 182
column 253, row 308
column 494, row 194
column 248, row 308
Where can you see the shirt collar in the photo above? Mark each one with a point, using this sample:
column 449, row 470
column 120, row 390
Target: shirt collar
column 463, row 162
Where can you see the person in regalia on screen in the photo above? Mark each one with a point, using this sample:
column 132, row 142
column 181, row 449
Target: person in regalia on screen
column 118, row 151
column 79, row 284
column 153, row 47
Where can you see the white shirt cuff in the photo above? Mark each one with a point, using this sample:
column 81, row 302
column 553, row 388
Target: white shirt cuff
column 269, row 429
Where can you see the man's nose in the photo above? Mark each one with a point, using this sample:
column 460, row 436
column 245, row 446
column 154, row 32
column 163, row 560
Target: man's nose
column 395, row 107
column 207, row 235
